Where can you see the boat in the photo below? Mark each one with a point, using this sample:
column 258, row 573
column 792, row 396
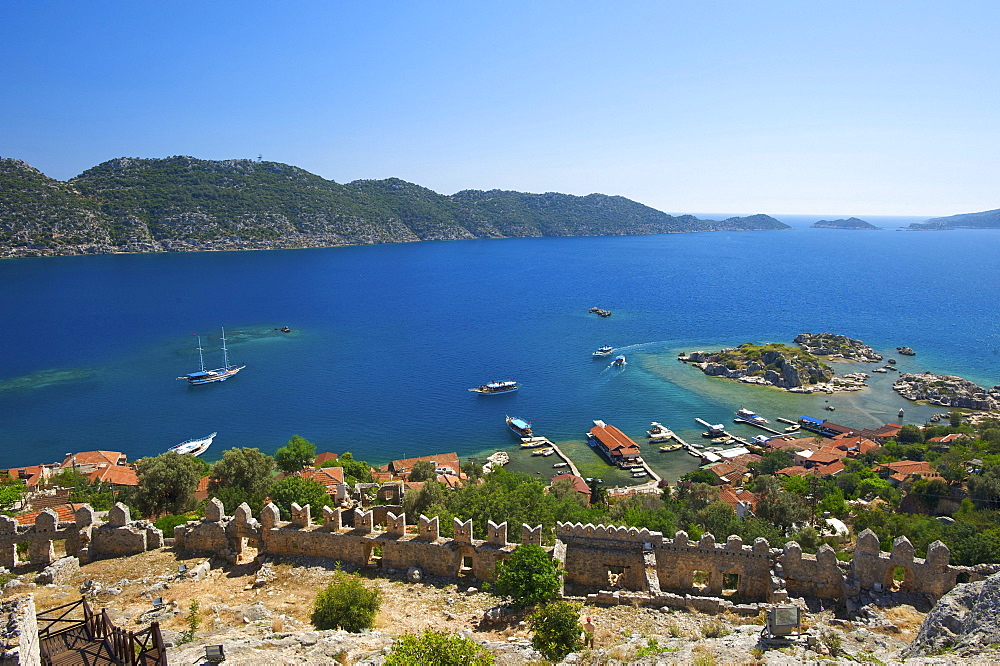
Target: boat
column 659, row 432
column 193, row 447
column 561, row 464
column 533, row 442
column 606, row 350
column 666, row 448
column 720, row 440
column 639, row 474
column 792, row 428
column 750, row 416
column 548, row 452
column 543, row 452
column 619, row 361
column 829, row 408
column 900, row 412
column 519, row 426
column 204, row 376
column 506, row 386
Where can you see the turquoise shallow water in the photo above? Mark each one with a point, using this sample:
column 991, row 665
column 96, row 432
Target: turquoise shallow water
column 386, row 339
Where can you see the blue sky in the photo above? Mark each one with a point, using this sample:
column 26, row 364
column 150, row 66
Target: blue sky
column 845, row 108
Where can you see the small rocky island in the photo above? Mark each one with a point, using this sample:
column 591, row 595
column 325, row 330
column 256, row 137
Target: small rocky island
column 837, row 347
column 947, row 391
column 772, row 364
column 850, row 223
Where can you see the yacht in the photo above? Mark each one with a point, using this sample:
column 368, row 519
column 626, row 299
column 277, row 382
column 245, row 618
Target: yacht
column 606, row 350
column 506, row 386
column 659, row 432
column 747, row 415
column 203, row 376
column 519, row 426
column 193, row 447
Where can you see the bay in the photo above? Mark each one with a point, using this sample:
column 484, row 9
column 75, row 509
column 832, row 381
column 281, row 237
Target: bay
column 386, row 339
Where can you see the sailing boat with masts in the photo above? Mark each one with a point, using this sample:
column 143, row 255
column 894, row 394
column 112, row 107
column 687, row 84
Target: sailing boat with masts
column 204, row 376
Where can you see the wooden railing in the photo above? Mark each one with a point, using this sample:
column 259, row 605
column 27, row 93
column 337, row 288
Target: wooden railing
column 98, row 636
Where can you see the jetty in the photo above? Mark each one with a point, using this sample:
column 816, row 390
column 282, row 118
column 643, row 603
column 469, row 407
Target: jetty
column 788, row 421
column 758, row 425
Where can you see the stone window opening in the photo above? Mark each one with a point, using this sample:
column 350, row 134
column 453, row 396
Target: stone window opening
column 898, row 579
column 701, row 580
column 730, row 584
column 466, row 566
column 615, row 575
column 373, row 556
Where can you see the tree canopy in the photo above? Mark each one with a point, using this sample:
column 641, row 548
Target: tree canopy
column 242, row 475
column 296, row 455
column 528, row 577
column 166, row 484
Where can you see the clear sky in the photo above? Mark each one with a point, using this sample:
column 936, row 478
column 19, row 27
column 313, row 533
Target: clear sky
column 846, row 108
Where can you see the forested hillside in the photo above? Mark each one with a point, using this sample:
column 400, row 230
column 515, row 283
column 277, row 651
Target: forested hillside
column 183, row 204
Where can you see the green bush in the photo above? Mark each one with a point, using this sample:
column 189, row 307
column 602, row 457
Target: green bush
column 346, row 603
column 528, row 577
column 438, row 648
column 556, row 629
column 166, row 524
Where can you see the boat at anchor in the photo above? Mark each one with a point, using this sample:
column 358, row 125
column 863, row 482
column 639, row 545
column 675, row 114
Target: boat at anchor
column 506, row 386
column 519, row 426
column 193, row 447
column 203, row 376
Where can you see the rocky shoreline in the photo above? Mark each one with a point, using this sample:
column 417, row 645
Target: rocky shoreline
column 781, row 366
column 947, row 391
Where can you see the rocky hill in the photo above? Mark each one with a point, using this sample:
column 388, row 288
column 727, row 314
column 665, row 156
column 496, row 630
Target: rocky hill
column 989, row 219
column 771, row 364
column 947, row 391
column 184, row 204
column 849, row 223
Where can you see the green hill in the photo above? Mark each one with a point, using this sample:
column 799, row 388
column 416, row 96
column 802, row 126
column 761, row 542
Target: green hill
column 989, row 219
column 850, row 223
column 183, row 204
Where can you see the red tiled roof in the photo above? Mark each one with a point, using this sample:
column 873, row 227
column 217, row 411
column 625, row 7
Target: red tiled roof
column 66, row 513
column 117, row 475
column 794, row 470
column 615, row 441
column 323, row 457
column 733, row 496
column 439, row 460
column 328, row 476
column 908, row 467
column 949, row 438
column 833, row 468
column 94, row 458
column 579, row 485
column 450, row 481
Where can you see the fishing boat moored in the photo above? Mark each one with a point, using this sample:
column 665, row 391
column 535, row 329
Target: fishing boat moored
column 659, row 432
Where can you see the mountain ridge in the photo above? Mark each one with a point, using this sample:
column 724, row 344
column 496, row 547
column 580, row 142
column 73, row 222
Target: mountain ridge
column 987, row 219
column 182, row 203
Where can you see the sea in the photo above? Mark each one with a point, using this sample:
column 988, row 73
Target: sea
column 385, row 340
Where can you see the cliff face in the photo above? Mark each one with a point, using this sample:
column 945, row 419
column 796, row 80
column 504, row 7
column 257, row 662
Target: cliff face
column 183, row 203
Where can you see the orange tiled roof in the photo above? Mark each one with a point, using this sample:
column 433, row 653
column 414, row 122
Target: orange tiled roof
column 94, row 458
column 794, row 470
column 733, row 496
column 328, row 476
column 439, row 460
column 66, row 513
column 323, row 457
column 579, row 485
column 114, row 474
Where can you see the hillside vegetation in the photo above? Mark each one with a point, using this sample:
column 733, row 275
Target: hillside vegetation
column 183, row 204
column 989, row 219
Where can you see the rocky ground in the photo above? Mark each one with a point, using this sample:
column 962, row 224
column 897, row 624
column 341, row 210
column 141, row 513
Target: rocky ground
column 837, row 346
column 260, row 614
column 947, row 391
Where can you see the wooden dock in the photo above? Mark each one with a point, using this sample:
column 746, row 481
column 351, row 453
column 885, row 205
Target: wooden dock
column 758, row 425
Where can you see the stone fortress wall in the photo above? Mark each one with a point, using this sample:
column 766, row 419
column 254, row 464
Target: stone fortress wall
column 610, row 564
column 598, row 560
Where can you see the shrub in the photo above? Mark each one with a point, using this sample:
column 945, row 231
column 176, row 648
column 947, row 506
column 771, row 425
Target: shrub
column 193, row 622
column 713, row 629
column 346, row 603
column 556, row 629
column 437, row 647
column 528, row 577
column 166, row 524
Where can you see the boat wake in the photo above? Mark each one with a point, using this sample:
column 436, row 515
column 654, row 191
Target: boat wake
column 640, row 345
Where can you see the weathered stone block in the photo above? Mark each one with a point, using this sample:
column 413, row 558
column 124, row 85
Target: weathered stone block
column 214, row 510
column 119, row 515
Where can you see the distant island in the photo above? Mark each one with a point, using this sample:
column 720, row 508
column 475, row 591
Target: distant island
column 180, row 204
column 849, row 223
column 989, row 219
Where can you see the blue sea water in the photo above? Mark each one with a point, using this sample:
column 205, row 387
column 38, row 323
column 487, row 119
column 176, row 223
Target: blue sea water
column 386, row 339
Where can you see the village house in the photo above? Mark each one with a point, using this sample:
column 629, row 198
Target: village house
column 86, row 462
column 897, row 472
column 578, row 483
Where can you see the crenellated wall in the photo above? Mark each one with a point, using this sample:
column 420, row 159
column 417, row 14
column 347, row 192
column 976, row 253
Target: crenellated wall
column 85, row 537
column 604, row 560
